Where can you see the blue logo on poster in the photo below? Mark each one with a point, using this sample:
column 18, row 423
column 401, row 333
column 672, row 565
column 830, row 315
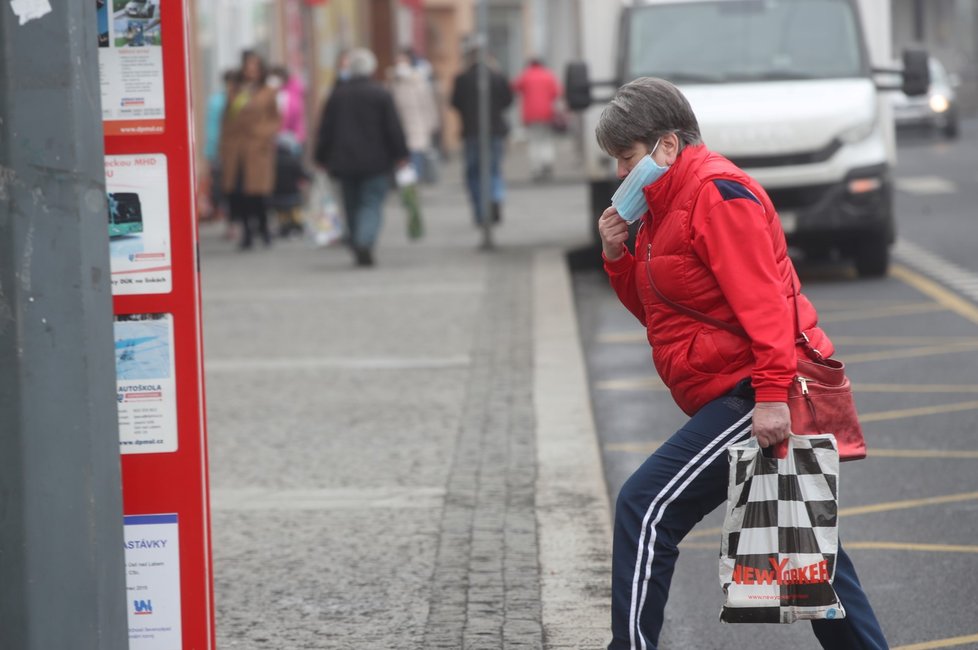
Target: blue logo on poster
column 142, row 607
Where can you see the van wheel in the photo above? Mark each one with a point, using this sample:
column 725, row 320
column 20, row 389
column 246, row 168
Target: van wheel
column 872, row 257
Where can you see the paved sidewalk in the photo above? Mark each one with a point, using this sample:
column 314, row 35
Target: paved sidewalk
column 404, row 456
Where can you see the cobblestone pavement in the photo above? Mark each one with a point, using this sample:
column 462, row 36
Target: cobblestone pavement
column 403, row 457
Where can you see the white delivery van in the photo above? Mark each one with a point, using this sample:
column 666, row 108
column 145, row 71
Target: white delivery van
column 792, row 91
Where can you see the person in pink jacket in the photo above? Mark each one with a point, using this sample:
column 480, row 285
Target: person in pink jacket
column 539, row 90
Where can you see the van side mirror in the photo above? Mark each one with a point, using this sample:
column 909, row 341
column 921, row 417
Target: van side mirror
column 916, row 73
column 577, row 86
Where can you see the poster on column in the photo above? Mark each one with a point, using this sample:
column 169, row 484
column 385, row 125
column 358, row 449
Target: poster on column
column 139, row 223
column 153, row 582
column 145, row 385
column 130, row 60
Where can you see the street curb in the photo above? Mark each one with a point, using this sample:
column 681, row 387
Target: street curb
column 573, row 514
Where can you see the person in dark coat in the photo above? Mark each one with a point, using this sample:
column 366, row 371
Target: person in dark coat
column 465, row 99
column 360, row 143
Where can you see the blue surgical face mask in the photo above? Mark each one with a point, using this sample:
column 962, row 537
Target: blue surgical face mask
column 629, row 199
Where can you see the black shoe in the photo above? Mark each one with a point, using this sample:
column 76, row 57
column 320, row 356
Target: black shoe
column 497, row 212
column 364, row 256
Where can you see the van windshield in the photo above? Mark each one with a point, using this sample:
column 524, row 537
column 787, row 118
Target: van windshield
column 744, row 40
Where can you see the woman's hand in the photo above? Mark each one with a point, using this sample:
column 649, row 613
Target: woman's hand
column 772, row 423
column 614, row 233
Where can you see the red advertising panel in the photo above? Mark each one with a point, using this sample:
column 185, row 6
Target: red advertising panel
column 143, row 65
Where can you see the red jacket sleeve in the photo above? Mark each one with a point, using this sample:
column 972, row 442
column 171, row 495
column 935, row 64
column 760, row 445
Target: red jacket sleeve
column 621, row 273
column 734, row 239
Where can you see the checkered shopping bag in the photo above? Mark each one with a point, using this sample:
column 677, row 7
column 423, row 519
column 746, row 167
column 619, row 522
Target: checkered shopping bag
column 780, row 533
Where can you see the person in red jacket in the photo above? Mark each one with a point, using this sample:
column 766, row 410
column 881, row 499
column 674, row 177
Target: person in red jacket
column 539, row 89
column 709, row 241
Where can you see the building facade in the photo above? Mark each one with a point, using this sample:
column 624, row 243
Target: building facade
column 307, row 36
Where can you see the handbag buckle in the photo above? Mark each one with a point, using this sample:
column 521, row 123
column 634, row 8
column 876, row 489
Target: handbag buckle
column 803, row 340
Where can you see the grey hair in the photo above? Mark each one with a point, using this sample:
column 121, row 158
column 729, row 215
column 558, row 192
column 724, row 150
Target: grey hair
column 361, row 62
column 644, row 110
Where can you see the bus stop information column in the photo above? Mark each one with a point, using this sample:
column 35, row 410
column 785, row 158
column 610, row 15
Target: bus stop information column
column 149, row 172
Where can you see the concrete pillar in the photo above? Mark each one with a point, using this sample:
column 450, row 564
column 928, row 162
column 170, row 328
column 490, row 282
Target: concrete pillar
column 62, row 580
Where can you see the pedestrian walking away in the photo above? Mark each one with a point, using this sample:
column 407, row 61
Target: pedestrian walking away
column 465, row 99
column 361, row 143
column 539, row 90
column 251, row 122
column 415, row 100
column 710, row 240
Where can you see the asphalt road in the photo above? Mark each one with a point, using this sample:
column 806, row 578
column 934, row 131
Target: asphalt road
column 910, row 341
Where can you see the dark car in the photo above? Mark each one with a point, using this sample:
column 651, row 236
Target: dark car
column 937, row 110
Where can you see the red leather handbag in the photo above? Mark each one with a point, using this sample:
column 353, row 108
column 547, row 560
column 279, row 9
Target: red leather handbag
column 819, row 399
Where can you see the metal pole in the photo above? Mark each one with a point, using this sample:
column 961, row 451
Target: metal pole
column 62, row 571
column 485, row 155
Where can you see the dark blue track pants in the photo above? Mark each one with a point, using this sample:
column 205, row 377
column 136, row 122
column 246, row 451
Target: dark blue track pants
column 683, row 481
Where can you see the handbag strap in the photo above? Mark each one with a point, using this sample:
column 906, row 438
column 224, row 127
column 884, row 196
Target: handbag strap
column 800, row 337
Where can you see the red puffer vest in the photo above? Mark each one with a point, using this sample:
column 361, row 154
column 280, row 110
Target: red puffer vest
column 712, row 242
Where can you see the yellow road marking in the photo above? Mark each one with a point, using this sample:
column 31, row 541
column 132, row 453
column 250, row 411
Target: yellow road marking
column 916, row 412
column 940, row 643
column 825, row 304
column 930, row 288
column 652, row 382
column 865, row 546
column 922, row 453
column 646, row 448
column 944, row 298
column 915, row 388
column 882, row 312
column 903, row 340
column 874, row 508
column 907, row 503
column 639, row 336
column 910, row 353
column 909, row 546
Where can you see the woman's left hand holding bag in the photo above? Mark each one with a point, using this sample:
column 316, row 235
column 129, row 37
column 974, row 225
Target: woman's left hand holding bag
column 772, row 422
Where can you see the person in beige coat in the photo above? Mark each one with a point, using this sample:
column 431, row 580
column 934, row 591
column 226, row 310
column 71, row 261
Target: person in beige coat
column 414, row 98
column 247, row 151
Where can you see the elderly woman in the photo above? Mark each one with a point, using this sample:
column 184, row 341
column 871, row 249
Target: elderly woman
column 360, row 143
column 709, row 241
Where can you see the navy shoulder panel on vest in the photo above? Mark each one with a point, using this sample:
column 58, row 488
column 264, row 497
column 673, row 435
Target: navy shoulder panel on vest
column 734, row 190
